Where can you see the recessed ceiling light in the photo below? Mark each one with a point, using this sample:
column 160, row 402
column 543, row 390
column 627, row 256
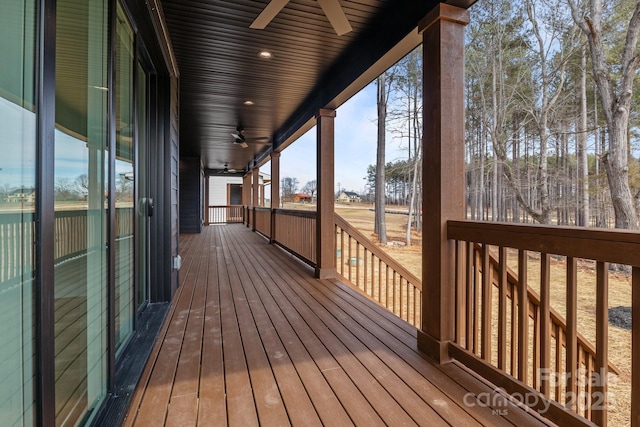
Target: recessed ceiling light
column 249, row 102
column 265, row 54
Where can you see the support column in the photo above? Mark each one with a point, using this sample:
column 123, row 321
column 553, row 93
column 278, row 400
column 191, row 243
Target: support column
column 325, row 228
column 443, row 171
column 246, row 197
column 275, row 192
column 255, row 197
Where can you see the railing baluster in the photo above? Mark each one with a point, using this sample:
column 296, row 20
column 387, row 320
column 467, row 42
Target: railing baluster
column 460, row 285
column 485, row 351
column 469, row 298
column 523, row 317
column 635, row 347
column 365, row 269
column 545, row 325
column 599, row 414
column 502, row 308
column 357, row 264
column 572, row 341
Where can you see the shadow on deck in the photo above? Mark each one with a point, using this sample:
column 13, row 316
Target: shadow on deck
column 252, row 338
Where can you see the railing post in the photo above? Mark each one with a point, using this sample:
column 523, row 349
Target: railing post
column 255, row 199
column 326, row 258
column 443, row 165
column 275, row 192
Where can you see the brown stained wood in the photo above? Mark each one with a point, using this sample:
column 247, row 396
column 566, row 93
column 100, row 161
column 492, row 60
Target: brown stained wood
column 476, row 291
column 241, row 409
column 153, row 406
column 523, row 318
column 487, row 416
column 266, row 393
column 545, row 324
column 443, row 165
column 572, row 341
column 289, row 383
column 460, row 307
column 635, row 347
column 336, row 357
column 558, row 363
column 502, row 308
column 182, row 411
column 325, row 257
column 469, row 304
column 514, row 332
column 212, row 408
column 615, row 246
column 359, row 410
column 599, row 415
column 486, row 305
column 368, row 245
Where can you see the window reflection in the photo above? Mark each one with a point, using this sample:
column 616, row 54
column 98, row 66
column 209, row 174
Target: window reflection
column 17, row 198
column 80, row 209
column 124, row 245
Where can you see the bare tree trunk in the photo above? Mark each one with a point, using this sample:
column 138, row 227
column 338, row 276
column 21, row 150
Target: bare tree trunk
column 616, row 102
column 380, row 205
column 583, row 161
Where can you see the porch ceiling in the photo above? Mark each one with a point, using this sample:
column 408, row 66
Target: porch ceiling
column 312, row 67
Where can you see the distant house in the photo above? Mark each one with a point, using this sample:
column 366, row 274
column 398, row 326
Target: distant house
column 302, row 197
column 21, row 195
column 348, row 197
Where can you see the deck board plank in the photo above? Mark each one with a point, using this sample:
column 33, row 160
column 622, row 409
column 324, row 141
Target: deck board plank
column 212, row 410
column 258, row 340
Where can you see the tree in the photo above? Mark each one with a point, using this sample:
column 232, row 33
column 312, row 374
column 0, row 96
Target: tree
column 288, row 186
column 64, row 189
column 310, row 188
column 380, row 227
column 614, row 81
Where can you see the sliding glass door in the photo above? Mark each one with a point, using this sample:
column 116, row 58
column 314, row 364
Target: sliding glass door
column 81, row 162
column 125, row 176
column 17, row 198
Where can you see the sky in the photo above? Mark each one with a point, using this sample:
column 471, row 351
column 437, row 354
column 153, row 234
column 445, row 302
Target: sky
column 355, row 146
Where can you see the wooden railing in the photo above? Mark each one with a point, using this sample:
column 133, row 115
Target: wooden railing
column 296, row 231
column 535, row 345
column 263, row 221
column 224, row 214
column 377, row 274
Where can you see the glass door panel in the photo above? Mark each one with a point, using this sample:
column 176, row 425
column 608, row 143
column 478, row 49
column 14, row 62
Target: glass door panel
column 80, row 282
column 145, row 205
column 124, row 171
column 17, row 198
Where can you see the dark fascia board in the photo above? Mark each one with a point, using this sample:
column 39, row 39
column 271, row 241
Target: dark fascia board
column 398, row 19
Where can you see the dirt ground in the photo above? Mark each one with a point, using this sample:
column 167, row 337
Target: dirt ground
column 362, row 217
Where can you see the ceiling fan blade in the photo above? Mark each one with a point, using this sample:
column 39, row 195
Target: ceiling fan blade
column 237, row 135
column 242, row 144
column 336, row 16
column 269, row 12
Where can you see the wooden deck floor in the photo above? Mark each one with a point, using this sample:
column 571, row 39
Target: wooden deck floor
column 253, row 339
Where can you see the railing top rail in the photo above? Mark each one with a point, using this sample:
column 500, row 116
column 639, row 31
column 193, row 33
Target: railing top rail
column 225, row 206
column 615, row 246
column 294, row 212
column 362, row 239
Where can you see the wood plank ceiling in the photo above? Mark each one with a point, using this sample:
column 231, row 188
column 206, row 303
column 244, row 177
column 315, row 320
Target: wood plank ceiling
column 311, row 67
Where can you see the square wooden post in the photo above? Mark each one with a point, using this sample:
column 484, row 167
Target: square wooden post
column 255, row 193
column 325, row 228
column 443, row 171
column 246, row 192
column 275, row 192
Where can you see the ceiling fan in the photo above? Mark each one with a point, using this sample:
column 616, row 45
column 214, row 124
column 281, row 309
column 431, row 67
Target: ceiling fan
column 331, row 8
column 227, row 170
column 241, row 140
